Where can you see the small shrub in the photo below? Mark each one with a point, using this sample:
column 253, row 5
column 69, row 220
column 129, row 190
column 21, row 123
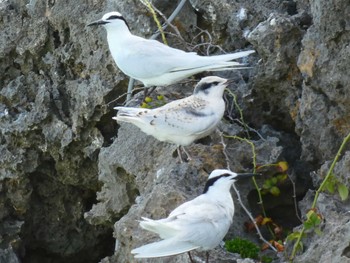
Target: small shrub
column 243, row 247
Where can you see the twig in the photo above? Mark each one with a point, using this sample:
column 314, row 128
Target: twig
column 151, row 8
column 239, row 196
column 207, row 43
column 168, row 23
column 294, row 198
column 124, row 94
column 261, row 202
column 250, row 129
column 239, row 110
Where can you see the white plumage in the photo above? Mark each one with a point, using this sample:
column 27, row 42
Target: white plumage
column 156, row 64
column 182, row 121
column 198, row 224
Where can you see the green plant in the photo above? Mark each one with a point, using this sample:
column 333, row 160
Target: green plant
column 270, row 185
column 266, row 259
column 149, row 103
column 333, row 184
column 313, row 219
column 245, row 248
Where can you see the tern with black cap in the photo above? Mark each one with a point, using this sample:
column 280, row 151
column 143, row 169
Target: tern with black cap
column 200, row 224
column 156, row 64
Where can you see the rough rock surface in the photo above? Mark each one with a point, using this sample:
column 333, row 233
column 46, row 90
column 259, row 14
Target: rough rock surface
column 73, row 183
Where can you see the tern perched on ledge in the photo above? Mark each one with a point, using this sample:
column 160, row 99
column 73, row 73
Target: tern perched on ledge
column 156, row 64
column 201, row 223
column 182, row 121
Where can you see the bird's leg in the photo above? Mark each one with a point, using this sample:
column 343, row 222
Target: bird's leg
column 179, row 154
column 207, row 257
column 189, row 158
column 179, row 148
column 191, row 259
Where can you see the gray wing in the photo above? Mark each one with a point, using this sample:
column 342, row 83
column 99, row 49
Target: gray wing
column 157, row 58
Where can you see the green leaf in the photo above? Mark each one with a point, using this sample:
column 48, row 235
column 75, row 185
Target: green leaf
column 315, row 219
column 282, row 177
column 330, row 186
column 308, row 225
column 267, row 184
column 318, row 231
column 275, row 191
column 312, row 221
column 343, row 191
column 274, row 180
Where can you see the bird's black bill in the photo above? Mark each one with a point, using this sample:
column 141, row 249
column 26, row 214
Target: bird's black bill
column 245, row 175
column 97, row 23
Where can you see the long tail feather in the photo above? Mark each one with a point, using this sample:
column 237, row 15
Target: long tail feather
column 232, row 56
column 168, row 247
column 218, row 63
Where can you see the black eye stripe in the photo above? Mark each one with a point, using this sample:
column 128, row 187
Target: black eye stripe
column 118, row 17
column 205, row 86
column 115, row 17
column 211, row 181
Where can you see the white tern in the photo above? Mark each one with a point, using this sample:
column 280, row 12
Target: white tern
column 156, row 64
column 201, row 223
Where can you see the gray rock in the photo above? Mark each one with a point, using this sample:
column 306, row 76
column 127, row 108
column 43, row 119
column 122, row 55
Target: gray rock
column 70, row 176
column 324, row 103
column 333, row 244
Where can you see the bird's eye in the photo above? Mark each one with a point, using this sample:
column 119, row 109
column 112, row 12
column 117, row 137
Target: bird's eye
column 216, row 83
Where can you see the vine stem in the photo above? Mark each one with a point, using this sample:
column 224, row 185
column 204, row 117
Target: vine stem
column 318, row 191
column 254, row 167
column 240, row 111
column 237, row 192
column 330, row 171
column 160, row 28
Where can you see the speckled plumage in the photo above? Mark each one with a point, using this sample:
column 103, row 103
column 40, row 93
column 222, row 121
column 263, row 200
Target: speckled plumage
column 182, row 121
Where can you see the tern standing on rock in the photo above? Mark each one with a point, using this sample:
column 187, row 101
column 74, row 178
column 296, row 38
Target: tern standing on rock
column 182, row 121
column 200, row 224
column 156, row 64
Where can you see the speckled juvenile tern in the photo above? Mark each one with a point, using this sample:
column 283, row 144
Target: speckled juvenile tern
column 185, row 120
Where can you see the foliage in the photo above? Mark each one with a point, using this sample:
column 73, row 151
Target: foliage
column 314, row 219
column 149, row 103
column 278, row 171
column 277, row 174
column 245, row 248
column 266, row 259
column 333, row 184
